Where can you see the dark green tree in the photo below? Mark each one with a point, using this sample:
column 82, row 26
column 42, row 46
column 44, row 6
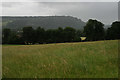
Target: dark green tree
column 69, row 34
column 50, row 36
column 6, row 35
column 60, row 35
column 10, row 37
column 29, row 35
column 78, row 34
column 40, row 35
column 13, row 39
column 94, row 30
column 114, row 31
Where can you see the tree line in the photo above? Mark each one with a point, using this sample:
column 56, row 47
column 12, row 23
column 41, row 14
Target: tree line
column 93, row 31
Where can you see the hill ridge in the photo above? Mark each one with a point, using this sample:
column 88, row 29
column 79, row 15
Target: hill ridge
column 47, row 22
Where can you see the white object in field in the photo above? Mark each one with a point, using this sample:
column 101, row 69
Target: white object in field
column 83, row 38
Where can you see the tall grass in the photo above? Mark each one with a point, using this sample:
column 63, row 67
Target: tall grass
column 63, row 60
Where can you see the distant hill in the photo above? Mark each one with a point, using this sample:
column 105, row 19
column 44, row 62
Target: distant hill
column 47, row 22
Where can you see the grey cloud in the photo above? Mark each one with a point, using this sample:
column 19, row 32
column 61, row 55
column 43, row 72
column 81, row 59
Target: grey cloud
column 10, row 4
column 60, row 0
column 103, row 11
column 106, row 12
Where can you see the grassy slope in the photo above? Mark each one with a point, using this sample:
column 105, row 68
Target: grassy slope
column 66, row 60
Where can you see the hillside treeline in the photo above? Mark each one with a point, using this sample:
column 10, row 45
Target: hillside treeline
column 93, row 31
column 47, row 22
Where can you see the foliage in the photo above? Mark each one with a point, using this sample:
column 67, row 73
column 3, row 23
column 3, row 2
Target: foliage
column 39, row 35
column 94, row 30
column 47, row 22
column 28, row 35
column 6, row 35
column 114, row 31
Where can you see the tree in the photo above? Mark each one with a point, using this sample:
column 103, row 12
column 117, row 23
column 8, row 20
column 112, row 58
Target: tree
column 78, row 34
column 114, row 31
column 60, row 35
column 13, row 39
column 69, row 34
column 29, row 35
column 6, row 35
column 40, row 35
column 94, row 30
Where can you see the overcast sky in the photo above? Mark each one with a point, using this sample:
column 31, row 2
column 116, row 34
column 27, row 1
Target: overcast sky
column 106, row 12
column 59, row 0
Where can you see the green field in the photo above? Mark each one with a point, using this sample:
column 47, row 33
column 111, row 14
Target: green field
column 63, row 60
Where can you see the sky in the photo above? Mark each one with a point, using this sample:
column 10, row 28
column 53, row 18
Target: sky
column 60, row 0
column 106, row 12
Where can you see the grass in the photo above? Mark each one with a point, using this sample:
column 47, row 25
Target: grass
column 63, row 60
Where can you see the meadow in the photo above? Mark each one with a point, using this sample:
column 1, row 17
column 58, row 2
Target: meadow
column 98, row 59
